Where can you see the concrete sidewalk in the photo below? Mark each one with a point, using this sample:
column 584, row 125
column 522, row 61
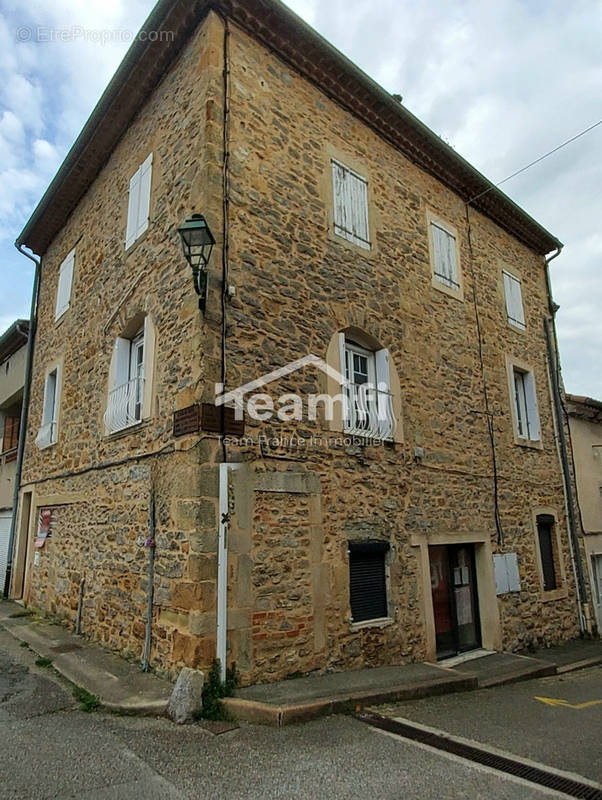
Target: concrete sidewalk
column 119, row 684
column 300, row 699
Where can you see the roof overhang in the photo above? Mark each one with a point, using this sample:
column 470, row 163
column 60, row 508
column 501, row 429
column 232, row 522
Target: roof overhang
column 13, row 338
column 280, row 29
column 584, row 407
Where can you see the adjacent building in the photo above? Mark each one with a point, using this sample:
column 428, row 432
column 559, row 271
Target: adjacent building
column 585, row 422
column 356, row 257
column 13, row 350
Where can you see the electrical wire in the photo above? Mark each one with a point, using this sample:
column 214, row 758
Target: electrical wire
column 488, row 416
column 537, row 160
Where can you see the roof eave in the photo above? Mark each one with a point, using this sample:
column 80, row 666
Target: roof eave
column 297, row 43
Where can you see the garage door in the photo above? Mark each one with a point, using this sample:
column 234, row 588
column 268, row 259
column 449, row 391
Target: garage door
column 5, row 517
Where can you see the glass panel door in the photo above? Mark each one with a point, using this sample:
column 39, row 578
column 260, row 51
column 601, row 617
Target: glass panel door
column 442, row 601
column 455, row 603
column 468, row 633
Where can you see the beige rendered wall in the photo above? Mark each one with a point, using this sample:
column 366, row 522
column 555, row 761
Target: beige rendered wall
column 586, row 436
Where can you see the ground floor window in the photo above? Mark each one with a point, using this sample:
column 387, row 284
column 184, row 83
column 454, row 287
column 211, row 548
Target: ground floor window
column 368, row 580
column 546, row 538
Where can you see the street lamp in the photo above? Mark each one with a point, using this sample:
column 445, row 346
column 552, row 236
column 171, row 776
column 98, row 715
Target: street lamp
column 197, row 243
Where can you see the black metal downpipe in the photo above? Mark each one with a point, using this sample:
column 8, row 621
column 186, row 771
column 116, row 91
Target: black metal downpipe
column 552, row 346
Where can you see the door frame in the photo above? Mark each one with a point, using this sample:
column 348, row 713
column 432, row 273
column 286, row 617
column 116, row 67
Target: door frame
column 474, row 591
column 491, row 635
column 593, row 547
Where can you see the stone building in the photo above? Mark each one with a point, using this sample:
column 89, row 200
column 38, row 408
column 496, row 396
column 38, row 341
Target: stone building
column 407, row 524
column 585, row 423
column 12, row 377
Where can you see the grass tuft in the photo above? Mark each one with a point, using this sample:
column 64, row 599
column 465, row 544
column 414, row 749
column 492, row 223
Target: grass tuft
column 43, row 662
column 214, row 690
column 87, row 702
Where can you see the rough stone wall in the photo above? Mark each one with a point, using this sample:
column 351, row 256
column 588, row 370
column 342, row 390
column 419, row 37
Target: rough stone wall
column 296, row 286
column 103, row 536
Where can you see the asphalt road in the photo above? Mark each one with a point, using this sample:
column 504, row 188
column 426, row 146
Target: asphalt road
column 565, row 736
column 51, row 749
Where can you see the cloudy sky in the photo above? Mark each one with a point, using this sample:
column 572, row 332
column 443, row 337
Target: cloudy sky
column 503, row 82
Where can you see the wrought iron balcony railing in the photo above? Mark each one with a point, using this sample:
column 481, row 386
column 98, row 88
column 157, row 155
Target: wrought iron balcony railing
column 369, row 411
column 124, row 406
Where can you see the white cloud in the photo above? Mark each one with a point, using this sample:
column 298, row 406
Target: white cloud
column 502, row 82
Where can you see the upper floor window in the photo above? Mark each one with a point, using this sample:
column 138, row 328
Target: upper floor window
column 368, row 400
column 130, row 377
column 63, row 292
column 514, row 301
column 350, row 195
column 10, row 436
column 48, row 432
column 525, row 405
column 444, row 256
column 127, row 387
column 139, row 202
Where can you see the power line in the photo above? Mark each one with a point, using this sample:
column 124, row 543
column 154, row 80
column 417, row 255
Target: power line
column 537, row 160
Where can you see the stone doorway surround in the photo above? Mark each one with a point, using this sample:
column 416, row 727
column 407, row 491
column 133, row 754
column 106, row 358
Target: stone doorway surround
column 491, row 638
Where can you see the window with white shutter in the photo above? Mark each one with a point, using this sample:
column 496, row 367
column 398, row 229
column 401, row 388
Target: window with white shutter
column 368, row 402
column 48, row 432
column 525, row 405
column 514, row 301
column 444, row 256
column 63, row 292
column 139, row 202
column 350, row 198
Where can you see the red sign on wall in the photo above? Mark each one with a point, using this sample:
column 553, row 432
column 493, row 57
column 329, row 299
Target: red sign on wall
column 44, row 526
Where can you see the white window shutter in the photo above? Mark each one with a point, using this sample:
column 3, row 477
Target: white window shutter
column 386, row 421
column 63, row 293
column 49, row 410
column 350, row 205
column 444, row 255
column 121, row 362
column 531, row 401
column 144, row 192
column 343, row 368
column 149, row 359
column 338, row 179
column 514, row 300
column 133, row 203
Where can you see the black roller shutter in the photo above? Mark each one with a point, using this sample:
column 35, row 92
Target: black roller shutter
column 367, row 580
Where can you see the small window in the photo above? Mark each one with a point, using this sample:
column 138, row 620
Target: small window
column 10, row 438
column 139, row 202
column 546, row 538
column 525, row 405
column 350, row 193
column 514, row 301
column 367, row 394
column 445, row 264
column 126, row 390
column 368, row 580
column 63, row 292
column 48, row 432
